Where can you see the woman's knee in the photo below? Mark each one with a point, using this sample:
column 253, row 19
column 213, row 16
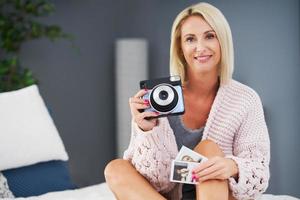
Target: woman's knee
column 209, row 148
column 114, row 171
column 220, row 190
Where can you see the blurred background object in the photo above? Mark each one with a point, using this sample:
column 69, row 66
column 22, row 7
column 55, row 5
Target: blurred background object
column 131, row 67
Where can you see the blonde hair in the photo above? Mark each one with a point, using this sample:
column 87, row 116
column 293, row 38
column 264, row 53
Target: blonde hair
column 219, row 24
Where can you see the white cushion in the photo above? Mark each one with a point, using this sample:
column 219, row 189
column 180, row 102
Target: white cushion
column 4, row 189
column 27, row 132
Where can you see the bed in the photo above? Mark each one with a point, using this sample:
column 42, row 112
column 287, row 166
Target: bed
column 102, row 192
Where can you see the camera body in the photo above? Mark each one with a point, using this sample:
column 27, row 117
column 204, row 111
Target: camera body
column 164, row 95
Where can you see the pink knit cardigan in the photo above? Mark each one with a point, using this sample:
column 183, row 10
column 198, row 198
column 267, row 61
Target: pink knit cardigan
column 236, row 123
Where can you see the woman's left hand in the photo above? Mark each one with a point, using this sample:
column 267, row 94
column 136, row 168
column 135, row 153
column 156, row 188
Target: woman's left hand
column 216, row 168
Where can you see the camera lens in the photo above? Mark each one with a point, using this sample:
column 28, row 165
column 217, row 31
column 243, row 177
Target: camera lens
column 163, row 98
column 163, row 95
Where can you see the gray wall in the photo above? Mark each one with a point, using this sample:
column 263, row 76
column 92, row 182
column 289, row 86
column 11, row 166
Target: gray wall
column 79, row 86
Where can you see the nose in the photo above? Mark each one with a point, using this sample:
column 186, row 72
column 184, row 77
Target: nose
column 200, row 46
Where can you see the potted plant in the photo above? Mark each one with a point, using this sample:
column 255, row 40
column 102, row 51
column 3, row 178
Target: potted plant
column 18, row 24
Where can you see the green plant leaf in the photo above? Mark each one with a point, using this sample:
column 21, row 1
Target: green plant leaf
column 47, row 8
column 19, row 24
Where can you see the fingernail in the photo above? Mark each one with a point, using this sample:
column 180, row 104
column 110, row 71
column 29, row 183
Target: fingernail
column 157, row 113
column 145, row 89
column 195, row 178
column 146, row 101
column 193, row 172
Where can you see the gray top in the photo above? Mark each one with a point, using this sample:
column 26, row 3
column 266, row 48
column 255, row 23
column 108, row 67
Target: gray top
column 189, row 138
column 185, row 136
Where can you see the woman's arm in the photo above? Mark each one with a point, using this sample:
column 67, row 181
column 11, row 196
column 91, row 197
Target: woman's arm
column 248, row 168
column 152, row 145
column 251, row 154
column 151, row 153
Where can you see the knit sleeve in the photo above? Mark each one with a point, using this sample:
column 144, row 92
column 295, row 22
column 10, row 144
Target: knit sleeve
column 252, row 154
column 151, row 154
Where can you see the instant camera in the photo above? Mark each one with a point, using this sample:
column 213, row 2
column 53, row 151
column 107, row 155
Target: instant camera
column 164, row 95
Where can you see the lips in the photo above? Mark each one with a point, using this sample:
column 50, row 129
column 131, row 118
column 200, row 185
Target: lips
column 203, row 58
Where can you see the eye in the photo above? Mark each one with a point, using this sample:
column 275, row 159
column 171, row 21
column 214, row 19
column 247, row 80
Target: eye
column 189, row 39
column 210, row 36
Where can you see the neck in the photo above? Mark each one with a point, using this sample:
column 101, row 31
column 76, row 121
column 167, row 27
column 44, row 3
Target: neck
column 202, row 85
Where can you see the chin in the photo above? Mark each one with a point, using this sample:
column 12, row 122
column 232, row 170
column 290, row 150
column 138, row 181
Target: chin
column 203, row 68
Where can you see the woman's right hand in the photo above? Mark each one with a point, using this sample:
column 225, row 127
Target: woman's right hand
column 136, row 104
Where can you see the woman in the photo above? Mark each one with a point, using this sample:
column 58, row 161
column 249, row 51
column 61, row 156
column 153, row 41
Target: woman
column 223, row 121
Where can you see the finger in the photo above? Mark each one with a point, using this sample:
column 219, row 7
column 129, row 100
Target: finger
column 146, row 123
column 138, row 100
column 138, row 106
column 214, row 175
column 149, row 114
column 154, row 121
column 204, row 165
column 141, row 93
column 143, row 115
column 209, row 170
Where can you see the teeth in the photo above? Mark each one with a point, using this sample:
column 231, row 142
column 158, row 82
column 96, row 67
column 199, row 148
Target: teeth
column 202, row 58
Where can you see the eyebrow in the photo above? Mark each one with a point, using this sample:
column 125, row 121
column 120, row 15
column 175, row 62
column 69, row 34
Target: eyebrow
column 209, row 31
column 189, row 34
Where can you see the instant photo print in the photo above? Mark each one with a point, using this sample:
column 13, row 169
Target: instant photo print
column 181, row 172
column 188, row 155
column 185, row 161
column 164, row 95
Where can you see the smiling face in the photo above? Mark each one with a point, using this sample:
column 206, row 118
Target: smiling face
column 200, row 46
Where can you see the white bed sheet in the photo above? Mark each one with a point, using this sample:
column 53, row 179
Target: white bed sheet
column 94, row 192
column 102, row 192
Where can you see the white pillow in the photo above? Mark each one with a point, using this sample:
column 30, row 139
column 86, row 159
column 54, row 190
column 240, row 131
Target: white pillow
column 4, row 189
column 27, row 132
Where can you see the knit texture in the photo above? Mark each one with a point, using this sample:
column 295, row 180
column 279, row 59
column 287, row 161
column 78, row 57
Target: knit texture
column 235, row 122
